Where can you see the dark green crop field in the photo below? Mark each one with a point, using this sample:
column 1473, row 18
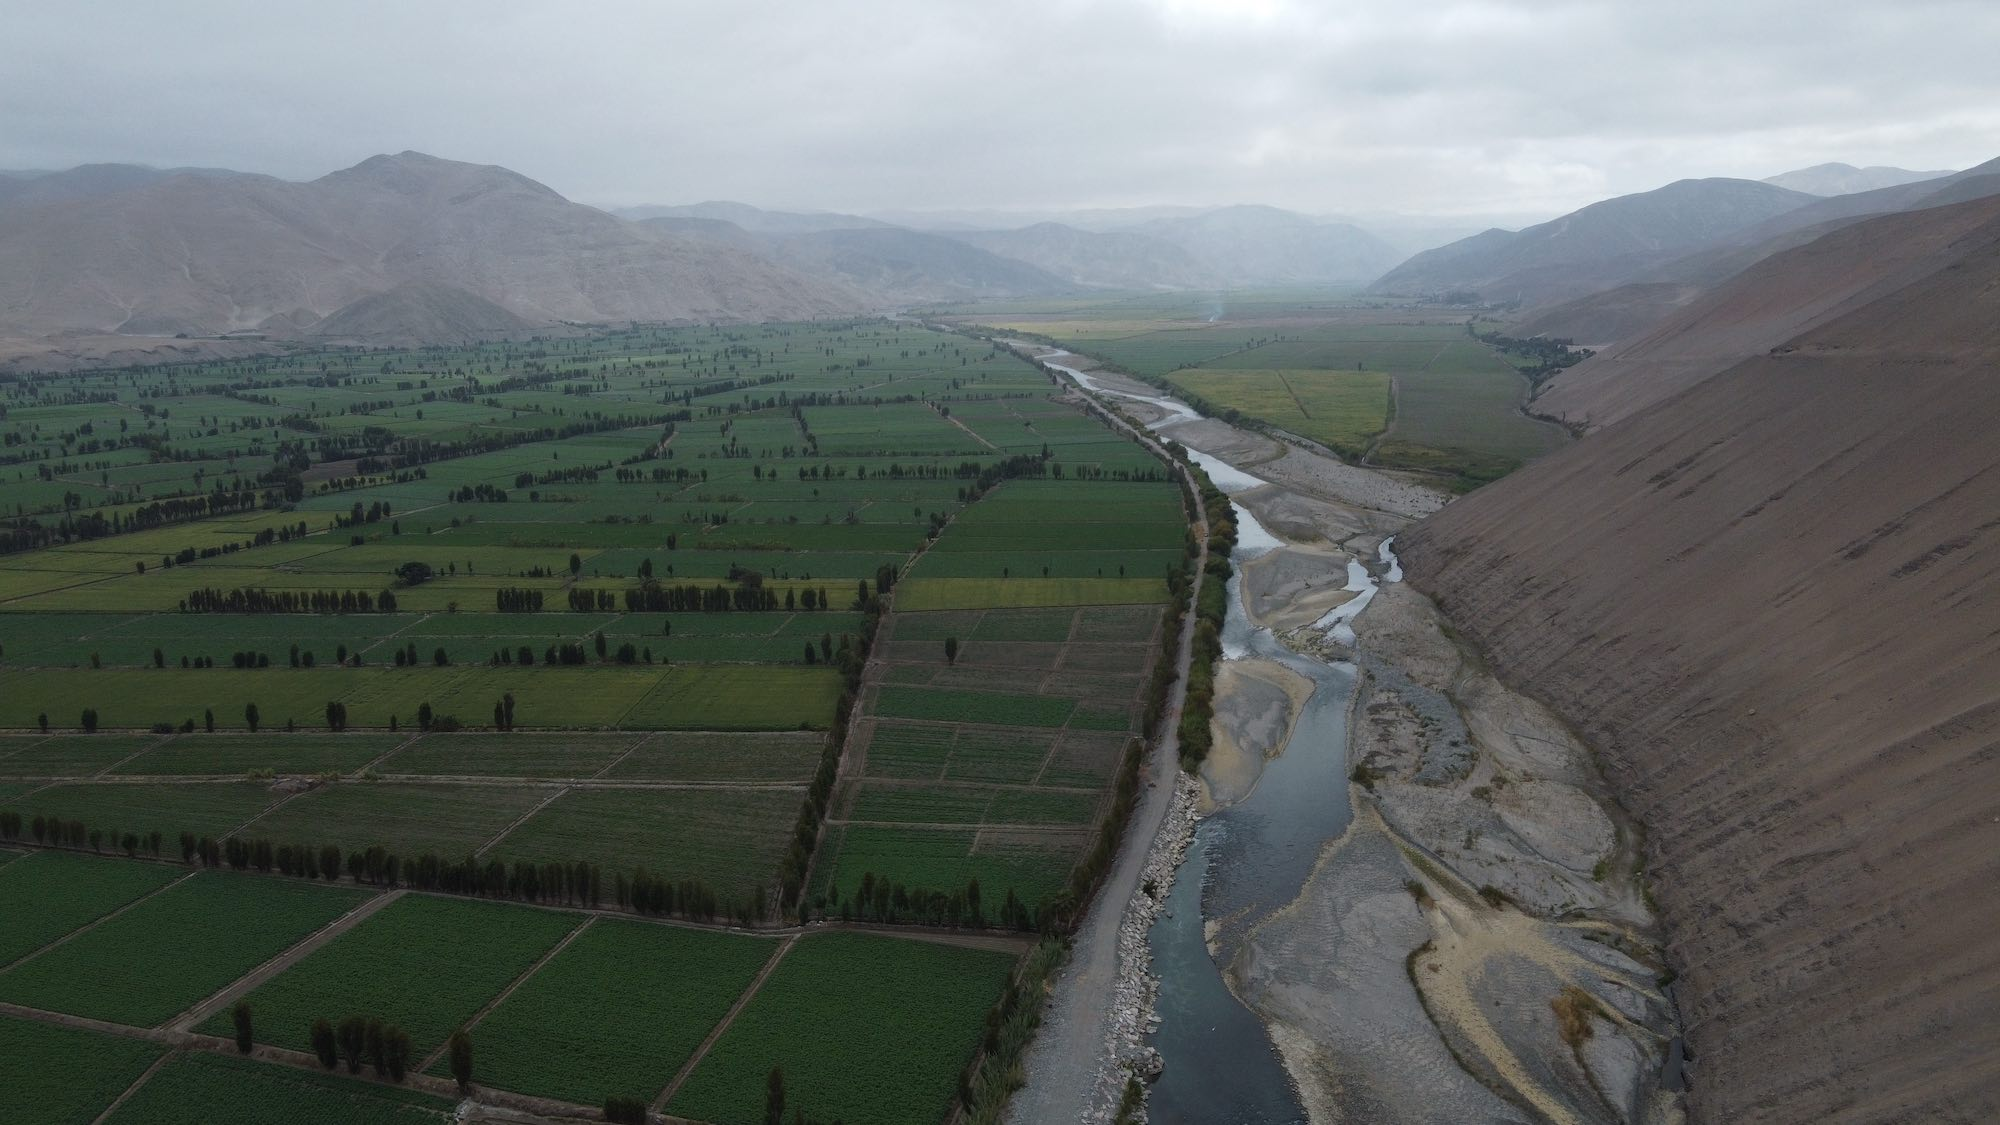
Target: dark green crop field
column 586, row 695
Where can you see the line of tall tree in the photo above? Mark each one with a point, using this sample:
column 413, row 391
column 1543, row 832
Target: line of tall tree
column 1211, row 607
column 260, row 600
column 357, row 1039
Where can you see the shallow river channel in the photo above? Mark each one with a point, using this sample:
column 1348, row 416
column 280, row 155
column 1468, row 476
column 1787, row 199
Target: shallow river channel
column 1248, row 859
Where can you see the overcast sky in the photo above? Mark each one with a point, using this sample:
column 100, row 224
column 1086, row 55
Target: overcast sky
column 1326, row 106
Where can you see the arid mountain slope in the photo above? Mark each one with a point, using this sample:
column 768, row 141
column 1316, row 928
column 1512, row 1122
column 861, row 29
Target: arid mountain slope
column 1772, row 602
column 1595, row 248
column 1620, row 315
column 1765, row 305
column 419, row 312
column 208, row 254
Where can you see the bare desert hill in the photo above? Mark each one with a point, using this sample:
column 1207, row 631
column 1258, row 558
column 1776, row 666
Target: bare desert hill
column 1773, row 300
column 205, row 254
column 1592, row 249
column 1623, row 313
column 1772, row 602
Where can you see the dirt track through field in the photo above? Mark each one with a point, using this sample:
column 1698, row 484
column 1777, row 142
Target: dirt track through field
column 432, row 1059
column 742, row 1002
column 522, row 819
column 126, row 1095
column 242, row 986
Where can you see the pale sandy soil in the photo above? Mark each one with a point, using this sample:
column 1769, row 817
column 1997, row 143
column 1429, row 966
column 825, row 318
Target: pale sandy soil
column 1256, row 704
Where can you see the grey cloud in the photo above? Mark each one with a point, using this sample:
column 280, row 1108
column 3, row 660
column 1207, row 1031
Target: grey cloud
column 1313, row 104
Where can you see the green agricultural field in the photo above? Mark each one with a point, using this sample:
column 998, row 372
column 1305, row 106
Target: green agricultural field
column 617, row 1012
column 116, row 808
column 510, row 755
column 450, row 821
column 76, row 755
column 992, row 593
column 47, row 895
column 898, row 702
column 868, row 1030
column 237, row 754
column 1033, row 865
column 731, row 839
column 142, row 967
column 206, row 1089
column 1343, row 410
column 62, row 1076
column 721, row 757
column 425, row 963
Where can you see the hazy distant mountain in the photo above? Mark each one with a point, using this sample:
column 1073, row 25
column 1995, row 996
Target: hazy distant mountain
column 909, row 266
column 1845, row 179
column 209, row 254
column 1249, row 245
column 1104, row 260
column 989, row 218
column 1626, row 311
column 87, row 181
column 753, row 219
column 1595, row 248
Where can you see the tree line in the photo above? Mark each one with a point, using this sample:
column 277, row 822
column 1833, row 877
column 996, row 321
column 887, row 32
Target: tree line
column 260, row 600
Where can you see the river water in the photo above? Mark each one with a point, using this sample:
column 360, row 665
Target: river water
column 1251, row 858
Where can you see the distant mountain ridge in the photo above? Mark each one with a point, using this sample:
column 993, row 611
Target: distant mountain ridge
column 1846, row 179
column 1622, row 313
column 1592, row 249
column 207, row 254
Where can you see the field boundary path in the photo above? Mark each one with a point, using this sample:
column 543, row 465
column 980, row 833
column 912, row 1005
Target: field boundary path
column 144, row 1077
column 431, row 1059
column 715, row 1033
column 1064, row 1065
column 242, row 986
column 545, row 802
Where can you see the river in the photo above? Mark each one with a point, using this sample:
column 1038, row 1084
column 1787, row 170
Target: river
column 1250, row 858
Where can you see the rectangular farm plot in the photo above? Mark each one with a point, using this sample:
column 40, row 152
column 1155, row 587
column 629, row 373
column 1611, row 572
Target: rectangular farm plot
column 176, row 948
column 510, row 755
column 723, row 697
column 65, row 1076
column 1032, row 864
column 116, row 808
column 617, row 1012
column 731, row 839
column 901, row 803
column 900, row 702
column 204, row 1089
column 718, row 756
column 987, row 593
column 450, row 821
column 48, row 895
column 74, row 755
column 237, row 754
column 868, row 1030
column 425, row 963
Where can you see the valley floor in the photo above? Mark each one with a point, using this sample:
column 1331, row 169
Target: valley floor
column 1476, row 945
